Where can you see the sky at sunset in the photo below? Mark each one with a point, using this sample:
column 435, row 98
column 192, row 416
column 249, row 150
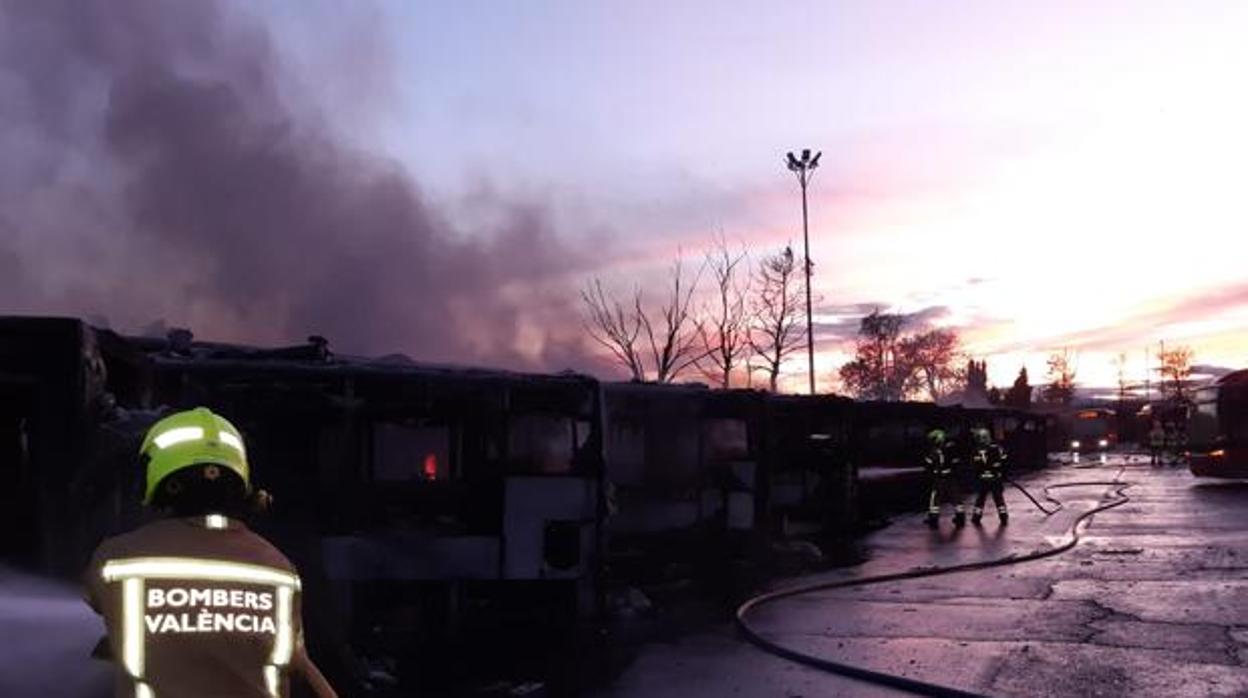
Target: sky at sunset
column 1036, row 175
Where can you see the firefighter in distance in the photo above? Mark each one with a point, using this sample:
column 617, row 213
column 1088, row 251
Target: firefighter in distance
column 988, row 460
column 941, row 462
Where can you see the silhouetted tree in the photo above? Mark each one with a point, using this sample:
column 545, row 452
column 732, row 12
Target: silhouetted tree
column 776, row 328
column 932, row 358
column 671, row 337
column 879, row 370
column 1061, row 376
column 674, row 344
column 725, row 333
column 1176, row 369
column 615, row 327
column 1019, row 394
column 887, row 366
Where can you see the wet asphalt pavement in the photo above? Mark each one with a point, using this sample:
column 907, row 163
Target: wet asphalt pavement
column 1152, row 602
column 47, row 632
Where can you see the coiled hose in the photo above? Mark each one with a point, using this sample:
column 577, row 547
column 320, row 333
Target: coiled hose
column 895, row 680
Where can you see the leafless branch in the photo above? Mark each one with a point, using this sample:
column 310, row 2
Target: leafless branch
column 725, row 333
column 775, row 329
column 674, row 344
column 615, row 328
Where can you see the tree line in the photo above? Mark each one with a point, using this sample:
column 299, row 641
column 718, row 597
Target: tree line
column 752, row 322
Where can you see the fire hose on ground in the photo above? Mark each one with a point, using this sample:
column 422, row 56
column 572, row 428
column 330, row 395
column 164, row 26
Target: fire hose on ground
column 895, row 680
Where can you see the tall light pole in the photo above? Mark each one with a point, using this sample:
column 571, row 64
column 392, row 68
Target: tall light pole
column 805, row 169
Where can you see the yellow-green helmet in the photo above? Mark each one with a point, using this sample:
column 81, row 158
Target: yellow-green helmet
column 193, row 437
column 936, row 437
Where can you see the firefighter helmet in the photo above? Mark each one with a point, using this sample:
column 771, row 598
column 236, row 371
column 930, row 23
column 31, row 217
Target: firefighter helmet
column 936, row 437
column 186, row 439
column 981, row 435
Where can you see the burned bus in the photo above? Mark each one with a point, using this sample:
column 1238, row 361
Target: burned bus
column 457, row 524
column 812, row 473
column 446, row 521
column 893, row 438
column 833, row 462
column 684, row 464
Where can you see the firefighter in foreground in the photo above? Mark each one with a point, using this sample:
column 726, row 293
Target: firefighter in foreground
column 195, row 603
column 988, row 461
column 941, row 462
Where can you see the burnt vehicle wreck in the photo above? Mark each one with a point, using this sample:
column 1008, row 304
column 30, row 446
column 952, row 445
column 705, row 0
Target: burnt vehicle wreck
column 459, row 530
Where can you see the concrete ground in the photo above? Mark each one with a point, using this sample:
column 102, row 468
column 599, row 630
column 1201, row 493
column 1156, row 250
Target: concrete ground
column 1152, row 602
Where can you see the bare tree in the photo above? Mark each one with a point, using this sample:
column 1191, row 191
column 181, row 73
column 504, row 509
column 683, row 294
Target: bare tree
column 668, row 337
column 1176, row 369
column 1061, row 387
column 725, row 332
column 615, row 327
column 775, row 329
column 674, row 346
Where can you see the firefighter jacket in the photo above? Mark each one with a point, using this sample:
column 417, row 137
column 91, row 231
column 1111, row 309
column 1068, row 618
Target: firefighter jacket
column 201, row 606
column 955, row 456
column 989, row 462
column 937, row 463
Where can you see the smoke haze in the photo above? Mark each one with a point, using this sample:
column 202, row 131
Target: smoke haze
column 160, row 168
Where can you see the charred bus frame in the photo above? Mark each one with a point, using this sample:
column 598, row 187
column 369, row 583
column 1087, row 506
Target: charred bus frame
column 457, row 512
column 427, row 507
column 430, row 507
column 683, row 463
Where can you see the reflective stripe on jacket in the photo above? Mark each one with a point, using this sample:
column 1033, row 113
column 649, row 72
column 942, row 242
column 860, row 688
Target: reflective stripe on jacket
column 200, row 606
column 989, row 461
column 936, row 464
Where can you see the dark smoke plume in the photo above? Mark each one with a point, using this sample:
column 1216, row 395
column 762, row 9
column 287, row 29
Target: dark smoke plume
column 159, row 168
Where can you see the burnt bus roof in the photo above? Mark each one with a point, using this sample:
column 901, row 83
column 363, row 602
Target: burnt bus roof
column 932, row 411
column 305, row 360
column 311, row 358
column 1235, row 378
column 689, row 388
column 811, row 405
column 309, row 377
column 690, row 399
column 645, row 390
column 807, row 400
